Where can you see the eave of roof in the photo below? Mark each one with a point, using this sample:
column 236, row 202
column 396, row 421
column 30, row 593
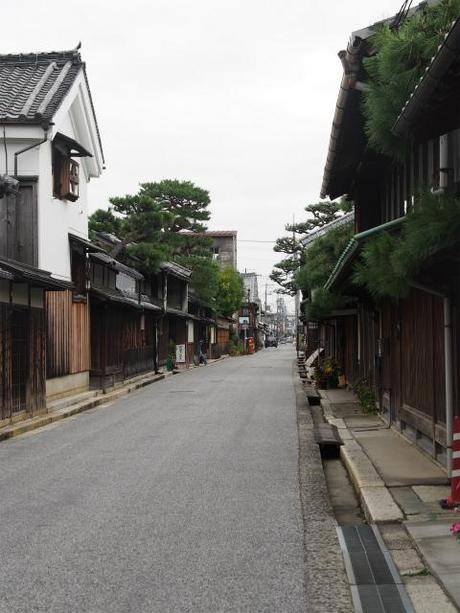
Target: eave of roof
column 448, row 51
column 212, row 233
column 105, row 258
column 34, row 276
column 347, row 141
column 73, row 238
column 347, row 113
column 150, row 306
column 176, row 269
column 114, row 296
column 354, row 246
column 336, row 223
column 5, row 275
column 182, row 314
column 70, row 146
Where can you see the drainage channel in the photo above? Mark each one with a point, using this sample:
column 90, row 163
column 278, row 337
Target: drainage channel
column 375, row 583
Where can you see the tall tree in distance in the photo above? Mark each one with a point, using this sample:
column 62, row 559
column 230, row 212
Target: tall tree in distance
column 230, row 293
column 319, row 214
column 138, row 222
column 165, row 220
column 186, row 202
column 283, row 271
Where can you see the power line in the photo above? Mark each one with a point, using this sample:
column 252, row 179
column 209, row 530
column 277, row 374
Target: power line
column 242, row 240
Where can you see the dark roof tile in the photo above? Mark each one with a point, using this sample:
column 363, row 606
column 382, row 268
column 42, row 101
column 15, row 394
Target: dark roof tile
column 33, row 85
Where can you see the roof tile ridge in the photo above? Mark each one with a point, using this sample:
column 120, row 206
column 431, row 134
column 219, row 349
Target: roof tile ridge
column 41, row 57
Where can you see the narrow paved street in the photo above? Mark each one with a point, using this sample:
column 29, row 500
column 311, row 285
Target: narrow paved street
column 183, row 496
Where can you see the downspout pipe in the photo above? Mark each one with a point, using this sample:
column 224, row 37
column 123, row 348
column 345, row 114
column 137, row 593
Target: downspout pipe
column 448, row 368
column 21, row 151
column 443, row 165
column 443, row 162
column 448, row 372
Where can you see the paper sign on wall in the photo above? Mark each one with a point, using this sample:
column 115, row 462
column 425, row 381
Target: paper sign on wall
column 180, row 354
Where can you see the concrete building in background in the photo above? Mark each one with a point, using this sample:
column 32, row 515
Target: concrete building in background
column 224, row 247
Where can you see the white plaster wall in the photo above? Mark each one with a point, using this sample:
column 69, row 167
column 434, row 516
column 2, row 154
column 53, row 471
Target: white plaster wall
column 56, row 218
column 28, row 161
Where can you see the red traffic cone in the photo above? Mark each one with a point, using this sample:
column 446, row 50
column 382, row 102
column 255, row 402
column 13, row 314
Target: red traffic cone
column 454, row 499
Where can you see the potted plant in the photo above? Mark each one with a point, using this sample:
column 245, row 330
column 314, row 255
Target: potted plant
column 171, row 359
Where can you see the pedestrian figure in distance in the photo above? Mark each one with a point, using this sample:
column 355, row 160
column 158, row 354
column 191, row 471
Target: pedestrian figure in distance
column 203, row 357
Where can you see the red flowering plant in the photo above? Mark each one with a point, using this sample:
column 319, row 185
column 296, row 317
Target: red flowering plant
column 455, row 529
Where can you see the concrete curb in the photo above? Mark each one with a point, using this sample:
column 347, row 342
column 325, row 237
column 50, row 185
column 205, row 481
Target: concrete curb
column 378, row 504
column 74, row 408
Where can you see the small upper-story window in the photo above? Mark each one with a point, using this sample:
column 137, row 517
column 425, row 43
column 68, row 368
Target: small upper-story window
column 66, row 171
column 66, row 175
column 126, row 283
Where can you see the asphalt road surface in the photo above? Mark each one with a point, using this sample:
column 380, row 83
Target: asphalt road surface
column 183, row 496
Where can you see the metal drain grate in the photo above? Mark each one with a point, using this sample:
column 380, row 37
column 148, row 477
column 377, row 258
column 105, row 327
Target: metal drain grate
column 375, row 583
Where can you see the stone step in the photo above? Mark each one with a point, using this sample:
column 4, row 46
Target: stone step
column 62, row 403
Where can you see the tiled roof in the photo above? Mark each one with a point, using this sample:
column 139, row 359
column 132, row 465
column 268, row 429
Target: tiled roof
column 105, row 258
column 33, row 85
column 335, row 223
column 219, row 233
column 212, row 233
column 35, row 276
column 176, row 269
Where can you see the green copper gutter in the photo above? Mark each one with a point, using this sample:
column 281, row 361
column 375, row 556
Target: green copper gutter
column 354, row 245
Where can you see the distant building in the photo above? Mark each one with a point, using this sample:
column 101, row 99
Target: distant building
column 224, row 247
column 251, row 287
column 249, row 316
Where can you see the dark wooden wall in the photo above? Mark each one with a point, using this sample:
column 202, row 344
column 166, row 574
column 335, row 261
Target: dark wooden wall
column 18, row 224
column 22, row 373
column 346, row 347
column 120, row 346
column 163, row 340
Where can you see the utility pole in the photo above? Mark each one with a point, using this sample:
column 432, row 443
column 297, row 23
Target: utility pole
column 246, row 325
column 297, row 294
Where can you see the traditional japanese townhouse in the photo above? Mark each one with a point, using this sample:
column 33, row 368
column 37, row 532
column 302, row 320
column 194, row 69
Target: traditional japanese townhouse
column 408, row 348
column 224, row 325
column 337, row 332
column 123, row 322
column 174, row 329
column 53, row 146
column 248, row 316
column 202, row 330
column 23, row 336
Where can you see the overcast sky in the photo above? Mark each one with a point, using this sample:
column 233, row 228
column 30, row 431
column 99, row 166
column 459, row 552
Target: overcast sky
column 236, row 96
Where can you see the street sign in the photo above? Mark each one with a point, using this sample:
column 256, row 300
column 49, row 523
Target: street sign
column 244, row 320
column 180, row 354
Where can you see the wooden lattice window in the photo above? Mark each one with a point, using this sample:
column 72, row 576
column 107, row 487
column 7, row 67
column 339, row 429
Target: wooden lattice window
column 66, row 173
